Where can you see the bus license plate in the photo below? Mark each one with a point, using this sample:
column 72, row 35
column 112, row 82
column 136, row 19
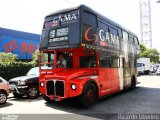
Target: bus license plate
column 56, row 98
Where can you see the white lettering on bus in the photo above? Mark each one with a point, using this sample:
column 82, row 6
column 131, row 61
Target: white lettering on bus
column 68, row 17
column 64, row 18
column 104, row 36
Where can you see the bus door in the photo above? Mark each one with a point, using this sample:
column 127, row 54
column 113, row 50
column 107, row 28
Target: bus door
column 121, row 73
column 126, row 72
column 105, row 75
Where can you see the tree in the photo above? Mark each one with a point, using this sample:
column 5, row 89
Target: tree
column 35, row 56
column 8, row 57
column 153, row 55
column 149, row 53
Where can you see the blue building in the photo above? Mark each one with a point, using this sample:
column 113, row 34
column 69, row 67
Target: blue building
column 21, row 43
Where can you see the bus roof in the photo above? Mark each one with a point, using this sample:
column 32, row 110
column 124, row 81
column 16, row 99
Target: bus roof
column 86, row 8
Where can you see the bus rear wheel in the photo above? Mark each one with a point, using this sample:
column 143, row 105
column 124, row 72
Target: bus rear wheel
column 133, row 80
column 89, row 96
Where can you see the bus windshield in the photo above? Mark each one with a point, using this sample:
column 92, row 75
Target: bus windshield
column 47, row 60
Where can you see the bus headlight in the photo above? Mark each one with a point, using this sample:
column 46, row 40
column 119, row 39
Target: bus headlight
column 73, row 86
column 41, row 84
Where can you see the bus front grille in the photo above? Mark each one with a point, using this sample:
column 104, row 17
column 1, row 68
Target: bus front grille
column 50, row 87
column 59, row 88
column 55, row 88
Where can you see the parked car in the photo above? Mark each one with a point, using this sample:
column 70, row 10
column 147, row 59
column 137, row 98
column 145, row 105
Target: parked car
column 26, row 85
column 4, row 90
column 158, row 71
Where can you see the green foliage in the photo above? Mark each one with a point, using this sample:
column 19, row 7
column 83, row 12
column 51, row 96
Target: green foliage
column 7, row 57
column 149, row 53
column 10, row 70
column 153, row 55
column 10, row 67
column 35, row 57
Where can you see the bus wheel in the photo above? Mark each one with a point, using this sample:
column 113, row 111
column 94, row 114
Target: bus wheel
column 133, row 82
column 89, row 96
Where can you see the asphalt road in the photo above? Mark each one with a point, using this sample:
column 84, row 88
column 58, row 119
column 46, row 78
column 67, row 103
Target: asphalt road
column 145, row 99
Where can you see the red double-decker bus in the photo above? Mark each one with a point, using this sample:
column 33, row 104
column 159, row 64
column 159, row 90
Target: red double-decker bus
column 85, row 55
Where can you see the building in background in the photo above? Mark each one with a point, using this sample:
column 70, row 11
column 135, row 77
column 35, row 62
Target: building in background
column 17, row 42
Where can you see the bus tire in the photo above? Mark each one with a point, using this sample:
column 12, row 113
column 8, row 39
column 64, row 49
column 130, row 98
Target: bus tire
column 89, row 96
column 133, row 82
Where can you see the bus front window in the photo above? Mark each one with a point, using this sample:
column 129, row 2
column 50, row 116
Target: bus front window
column 47, row 60
column 87, row 62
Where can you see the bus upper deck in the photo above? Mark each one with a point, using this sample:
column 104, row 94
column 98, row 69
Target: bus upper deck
column 83, row 27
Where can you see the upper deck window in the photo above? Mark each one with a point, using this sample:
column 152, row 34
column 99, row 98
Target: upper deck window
column 103, row 26
column 89, row 19
column 120, row 33
column 61, row 19
column 136, row 40
column 113, row 31
column 44, row 38
column 131, row 39
column 125, row 35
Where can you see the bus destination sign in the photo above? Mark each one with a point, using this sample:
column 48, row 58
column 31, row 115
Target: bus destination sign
column 62, row 19
column 58, row 35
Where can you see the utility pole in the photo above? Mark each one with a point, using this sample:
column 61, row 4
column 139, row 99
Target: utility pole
column 145, row 23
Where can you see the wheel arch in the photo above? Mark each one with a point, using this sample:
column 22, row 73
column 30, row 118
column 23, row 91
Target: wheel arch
column 93, row 82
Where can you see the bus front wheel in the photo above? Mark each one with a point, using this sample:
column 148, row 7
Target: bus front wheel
column 89, row 96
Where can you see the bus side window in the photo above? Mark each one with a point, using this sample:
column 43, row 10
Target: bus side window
column 132, row 63
column 131, row 39
column 87, row 62
column 126, row 63
column 115, row 62
column 125, row 35
column 89, row 19
column 105, row 62
column 103, row 26
column 113, row 31
column 120, row 33
column 136, row 41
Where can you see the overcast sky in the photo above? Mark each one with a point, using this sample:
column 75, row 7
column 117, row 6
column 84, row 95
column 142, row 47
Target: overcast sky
column 28, row 15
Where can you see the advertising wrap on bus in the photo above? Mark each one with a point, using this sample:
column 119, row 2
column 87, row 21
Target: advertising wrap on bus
column 78, row 28
column 59, row 30
column 100, row 39
column 85, row 55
